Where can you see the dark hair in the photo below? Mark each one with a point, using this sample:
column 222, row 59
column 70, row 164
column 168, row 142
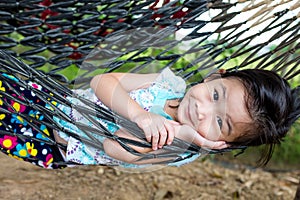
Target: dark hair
column 272, row 105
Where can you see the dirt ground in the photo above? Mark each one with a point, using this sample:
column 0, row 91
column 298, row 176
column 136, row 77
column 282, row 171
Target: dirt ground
column 198, row 180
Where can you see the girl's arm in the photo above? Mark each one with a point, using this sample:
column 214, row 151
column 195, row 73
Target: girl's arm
column 184, row 132
column 112, row 89
column 115, row 150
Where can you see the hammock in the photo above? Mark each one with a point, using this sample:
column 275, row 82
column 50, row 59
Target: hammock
column 194, row 38
column 297, row 196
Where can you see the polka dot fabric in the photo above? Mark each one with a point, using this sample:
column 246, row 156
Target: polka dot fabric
column 21, row 144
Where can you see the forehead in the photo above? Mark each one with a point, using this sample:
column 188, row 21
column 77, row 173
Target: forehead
column 235, row 103
column 232, row 94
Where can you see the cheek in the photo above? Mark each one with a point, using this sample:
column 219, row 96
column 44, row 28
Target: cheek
column 210, row 136
column 180, row 112
column 209, row 131
column 200, row 94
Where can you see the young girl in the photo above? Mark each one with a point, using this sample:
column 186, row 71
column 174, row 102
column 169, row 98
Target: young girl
column 250, row 107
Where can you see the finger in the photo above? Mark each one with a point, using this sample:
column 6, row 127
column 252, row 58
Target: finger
column 203, row 142
column 214, row 144
column 148, row 134
column 221, row 145
column 171, row 133
column 155, row 138
column 173, row 122
column 163, row 137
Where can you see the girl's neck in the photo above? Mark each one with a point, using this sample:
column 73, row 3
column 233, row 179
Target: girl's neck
column 171, row 108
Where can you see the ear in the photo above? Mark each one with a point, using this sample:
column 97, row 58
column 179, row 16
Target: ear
column 215, row 75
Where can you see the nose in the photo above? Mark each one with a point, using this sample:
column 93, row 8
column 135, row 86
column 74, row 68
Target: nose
column 201, row 116
column 204, row 110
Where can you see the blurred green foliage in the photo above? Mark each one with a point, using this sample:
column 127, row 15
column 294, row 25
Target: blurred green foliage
column 286, row 154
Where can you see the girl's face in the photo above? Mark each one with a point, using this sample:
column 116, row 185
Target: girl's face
column 216, row 109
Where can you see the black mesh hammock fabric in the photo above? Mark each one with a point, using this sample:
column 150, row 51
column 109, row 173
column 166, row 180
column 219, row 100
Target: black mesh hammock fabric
column 62, row 45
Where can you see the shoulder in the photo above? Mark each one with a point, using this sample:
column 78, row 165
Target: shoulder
column 167, row 79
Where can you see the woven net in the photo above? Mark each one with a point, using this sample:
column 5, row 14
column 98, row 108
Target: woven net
column 69, row 42
column 55, row 35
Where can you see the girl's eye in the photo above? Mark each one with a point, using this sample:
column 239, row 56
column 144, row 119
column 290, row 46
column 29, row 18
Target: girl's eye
column 220, row 122
column 215, row 95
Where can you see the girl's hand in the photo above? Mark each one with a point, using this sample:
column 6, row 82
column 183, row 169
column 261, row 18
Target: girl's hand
column 188, row 134
column 157, row 129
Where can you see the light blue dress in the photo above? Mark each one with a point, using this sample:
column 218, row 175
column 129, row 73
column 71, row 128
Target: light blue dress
column 153, row 99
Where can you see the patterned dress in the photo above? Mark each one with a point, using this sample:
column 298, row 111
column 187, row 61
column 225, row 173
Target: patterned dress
column 21, row 144
column 166, row 86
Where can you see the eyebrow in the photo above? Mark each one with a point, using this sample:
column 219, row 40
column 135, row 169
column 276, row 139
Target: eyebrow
column 223, row 90
column 228, row 118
